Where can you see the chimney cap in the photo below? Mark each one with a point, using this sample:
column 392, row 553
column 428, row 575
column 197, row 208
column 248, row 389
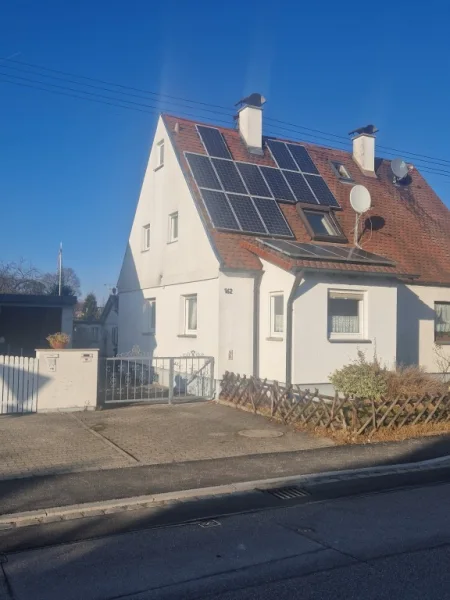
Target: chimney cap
column 368, row 129
column 254, row 99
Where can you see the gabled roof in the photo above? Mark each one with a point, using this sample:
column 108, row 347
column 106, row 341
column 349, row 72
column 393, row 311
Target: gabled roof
column 415, row 234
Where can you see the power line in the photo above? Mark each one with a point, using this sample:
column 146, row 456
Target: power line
column 154, row 110
column 228, row 111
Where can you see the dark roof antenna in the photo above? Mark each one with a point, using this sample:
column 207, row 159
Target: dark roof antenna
column 368, row 129
column 254, row 99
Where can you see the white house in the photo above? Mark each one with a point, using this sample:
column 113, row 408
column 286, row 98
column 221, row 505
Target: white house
column 242, row 248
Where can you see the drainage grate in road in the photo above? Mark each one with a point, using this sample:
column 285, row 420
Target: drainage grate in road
column 287, row 493
column 211, row 523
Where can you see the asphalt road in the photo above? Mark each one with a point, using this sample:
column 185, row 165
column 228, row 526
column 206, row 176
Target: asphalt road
column 386, row 545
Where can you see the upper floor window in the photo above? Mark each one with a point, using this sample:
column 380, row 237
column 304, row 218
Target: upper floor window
column 160, row 154
column 173, row 227
column 276, row 315
column 146, row 237
column 442, row 322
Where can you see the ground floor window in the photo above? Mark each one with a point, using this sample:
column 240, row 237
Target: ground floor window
column 190, row 314
column 276, row 315
column 149, row 316
column 442, row 322
column 345, row 314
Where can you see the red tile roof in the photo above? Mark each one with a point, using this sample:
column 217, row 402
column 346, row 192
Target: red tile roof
column 415, row 234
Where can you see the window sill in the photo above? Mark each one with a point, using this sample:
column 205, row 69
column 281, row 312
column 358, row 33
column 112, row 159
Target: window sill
column 148, row 333
column 349, row 340
column 172, row 241
column 442, row 342
column 187, row 335
column 274, row 339
column 145, row 249
column 158, row 168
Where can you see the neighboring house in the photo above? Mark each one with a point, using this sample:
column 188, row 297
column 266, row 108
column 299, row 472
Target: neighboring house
column 242, row 247
column 99, row 333
column 27, row 320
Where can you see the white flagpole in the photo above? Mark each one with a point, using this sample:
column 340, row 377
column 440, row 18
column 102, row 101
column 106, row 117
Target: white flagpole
column 60, row 270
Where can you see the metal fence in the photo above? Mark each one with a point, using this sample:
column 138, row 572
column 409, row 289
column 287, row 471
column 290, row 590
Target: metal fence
column 140, row 378
column 18, row 384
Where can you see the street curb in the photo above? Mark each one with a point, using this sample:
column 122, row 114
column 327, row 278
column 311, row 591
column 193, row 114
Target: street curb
column 77, row 511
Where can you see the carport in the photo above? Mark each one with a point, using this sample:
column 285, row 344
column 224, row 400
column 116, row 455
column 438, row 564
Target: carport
column 26, row 321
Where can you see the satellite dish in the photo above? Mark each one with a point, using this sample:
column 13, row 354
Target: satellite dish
column 399, row 168
column 360, row 199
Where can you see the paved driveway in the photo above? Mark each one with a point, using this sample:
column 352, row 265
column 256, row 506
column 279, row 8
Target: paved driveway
column 138, row 435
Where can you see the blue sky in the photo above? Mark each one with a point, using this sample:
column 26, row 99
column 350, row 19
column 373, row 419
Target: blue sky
column 71, row 170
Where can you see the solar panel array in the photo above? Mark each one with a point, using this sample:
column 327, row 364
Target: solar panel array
column 241, row 196
column 328, row 253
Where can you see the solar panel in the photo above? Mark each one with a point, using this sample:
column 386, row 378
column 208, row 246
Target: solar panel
column 202, row 171
column 246, row 214
column 300, row 188
column 282, row 155
column 272, row 216
column 277, row 184
column 229, row 176
column 253, row 179
column 327, row 253
column 219, row 210
column 214, row 142
column 321, row 190
column 302, row 158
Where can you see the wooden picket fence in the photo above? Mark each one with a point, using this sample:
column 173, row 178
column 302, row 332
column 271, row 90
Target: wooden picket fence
column 18, row 384
column 293, row 405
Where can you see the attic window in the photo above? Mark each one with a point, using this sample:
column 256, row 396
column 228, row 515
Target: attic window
column 342, row 172
column 322, row 226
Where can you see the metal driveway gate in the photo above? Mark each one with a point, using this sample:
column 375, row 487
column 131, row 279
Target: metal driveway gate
column 142, row 378
column 18, row 384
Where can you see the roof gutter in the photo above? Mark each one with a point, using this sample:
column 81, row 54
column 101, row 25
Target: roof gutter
column 379, row 274
column 289, row 323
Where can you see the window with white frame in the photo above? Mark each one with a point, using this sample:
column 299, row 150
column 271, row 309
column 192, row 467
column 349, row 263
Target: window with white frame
column 94, row 334
column 345, row 314
column 276, row 314
column 146, row 237
column 115, row 335
column 442, row 322
column 149, row 316
column 190, row 314
column 160, row 154
column 173, row 227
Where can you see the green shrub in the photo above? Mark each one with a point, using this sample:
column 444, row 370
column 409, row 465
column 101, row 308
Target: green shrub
column 361, row 378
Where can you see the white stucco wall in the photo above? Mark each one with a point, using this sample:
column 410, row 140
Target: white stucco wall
column 272, row 351
column 416, row 325
column 315, row 357
column 168, row 339
column 67, row 379
column 168, row 270
column 235, row 293
column 165, row 191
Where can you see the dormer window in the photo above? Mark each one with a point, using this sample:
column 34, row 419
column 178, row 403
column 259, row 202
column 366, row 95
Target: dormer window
column 342, row 172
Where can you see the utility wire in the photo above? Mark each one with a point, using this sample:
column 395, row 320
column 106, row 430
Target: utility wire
column 155, row 110
column 223, row 109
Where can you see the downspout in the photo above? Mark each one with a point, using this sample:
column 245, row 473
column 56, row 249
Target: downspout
column 256, row 302
column 289, row 321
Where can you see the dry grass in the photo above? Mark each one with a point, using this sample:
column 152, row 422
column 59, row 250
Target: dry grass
column 341, row 437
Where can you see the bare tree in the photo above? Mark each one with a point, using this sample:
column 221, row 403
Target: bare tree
column 20, row 278
column 70, row 283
